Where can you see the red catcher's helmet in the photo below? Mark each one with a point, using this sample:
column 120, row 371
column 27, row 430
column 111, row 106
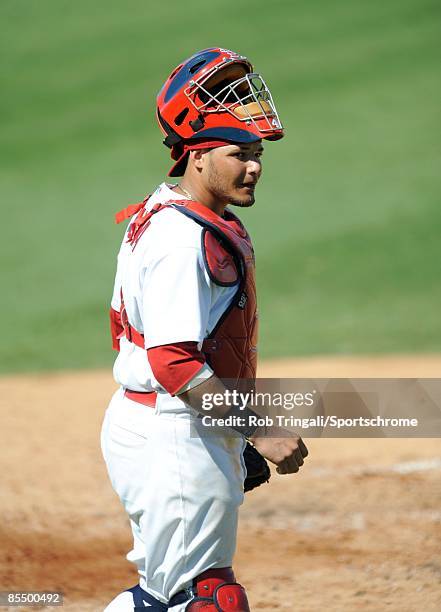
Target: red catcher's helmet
column 215, row 95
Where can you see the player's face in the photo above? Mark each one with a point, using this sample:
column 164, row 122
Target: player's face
column 232, row 172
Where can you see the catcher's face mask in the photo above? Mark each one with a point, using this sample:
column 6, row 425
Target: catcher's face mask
column 231, row 88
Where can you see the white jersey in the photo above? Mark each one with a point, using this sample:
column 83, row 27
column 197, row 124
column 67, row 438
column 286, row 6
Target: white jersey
column 168, row 294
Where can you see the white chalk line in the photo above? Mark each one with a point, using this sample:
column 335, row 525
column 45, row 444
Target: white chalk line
column 330, row 522
column 404, row 467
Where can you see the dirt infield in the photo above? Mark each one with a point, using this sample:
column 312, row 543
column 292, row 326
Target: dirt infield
column 358, row 529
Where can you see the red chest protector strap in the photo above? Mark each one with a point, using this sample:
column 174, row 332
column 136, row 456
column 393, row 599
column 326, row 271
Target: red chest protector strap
column 128, row 330
column 120, row 328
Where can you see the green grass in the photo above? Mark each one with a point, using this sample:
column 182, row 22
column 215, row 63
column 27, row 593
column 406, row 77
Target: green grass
column 347, row 220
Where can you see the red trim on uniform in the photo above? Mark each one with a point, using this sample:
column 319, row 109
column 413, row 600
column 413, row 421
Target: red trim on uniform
column 174, row 365
column 147, row 398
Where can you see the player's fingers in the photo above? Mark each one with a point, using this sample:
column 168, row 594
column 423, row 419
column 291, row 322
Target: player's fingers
column 298, row 457
column 302, row 447
column 288, row 466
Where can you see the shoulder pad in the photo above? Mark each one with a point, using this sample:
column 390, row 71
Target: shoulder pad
column 220, row 264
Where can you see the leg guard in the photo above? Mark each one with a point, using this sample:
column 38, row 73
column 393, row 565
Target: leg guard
column 217, row 591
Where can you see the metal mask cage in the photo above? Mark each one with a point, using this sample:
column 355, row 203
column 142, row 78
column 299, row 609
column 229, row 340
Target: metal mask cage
column 246, row 99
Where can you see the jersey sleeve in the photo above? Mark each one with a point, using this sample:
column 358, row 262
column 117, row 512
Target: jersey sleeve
column 178, row 367
column 176, row 298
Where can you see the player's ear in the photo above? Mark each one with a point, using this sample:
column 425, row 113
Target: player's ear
column 198, row 158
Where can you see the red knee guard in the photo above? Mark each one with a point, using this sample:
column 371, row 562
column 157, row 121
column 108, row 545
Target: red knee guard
column 217, row 591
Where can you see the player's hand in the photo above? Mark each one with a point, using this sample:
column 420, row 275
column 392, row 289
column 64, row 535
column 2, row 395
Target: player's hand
column 283, row 448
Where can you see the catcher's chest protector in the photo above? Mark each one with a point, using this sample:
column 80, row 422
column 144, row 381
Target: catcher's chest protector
column 231, row 348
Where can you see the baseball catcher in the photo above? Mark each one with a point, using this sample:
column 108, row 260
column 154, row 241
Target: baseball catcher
column 184, row 321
